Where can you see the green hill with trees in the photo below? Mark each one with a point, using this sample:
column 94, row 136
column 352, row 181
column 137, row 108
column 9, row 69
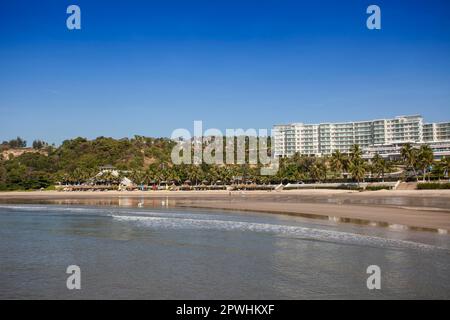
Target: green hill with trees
column 148, row 161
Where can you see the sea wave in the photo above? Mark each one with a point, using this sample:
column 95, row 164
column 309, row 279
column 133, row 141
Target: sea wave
column 47, row 208
column 106, row 211
column 284, row 230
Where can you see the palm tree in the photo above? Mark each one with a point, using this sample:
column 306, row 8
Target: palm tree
column 173, row 176
column 380, row 166
column 355, row 152
column 425, row 158
column 409, row 155
column 446, row 166
column 357, row 169
column 318, row 170
column 106, row 177
column 161, row 175
column 337, row 162
column 78, row 175
column 213, row 174
column 150, row 175
column 137, row 176
column 224, row 174
column 234, row 172
column 439, row 169
column 357, row 166
column 195, row 173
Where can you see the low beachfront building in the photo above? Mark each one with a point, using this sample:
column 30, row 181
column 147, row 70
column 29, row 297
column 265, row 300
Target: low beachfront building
column 112, row 172
column 382, row 136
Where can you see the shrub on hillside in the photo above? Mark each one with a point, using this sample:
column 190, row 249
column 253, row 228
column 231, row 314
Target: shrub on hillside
column 376, row 188
column 433, row 186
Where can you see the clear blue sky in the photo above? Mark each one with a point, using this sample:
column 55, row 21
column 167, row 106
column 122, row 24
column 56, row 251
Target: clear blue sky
column 148, row 67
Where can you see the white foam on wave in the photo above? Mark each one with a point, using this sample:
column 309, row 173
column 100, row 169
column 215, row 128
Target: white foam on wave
column 167, row 214
column 47, row 208
column 292, row 231
column 24, row 208
column 107, row 211
column 110, row 211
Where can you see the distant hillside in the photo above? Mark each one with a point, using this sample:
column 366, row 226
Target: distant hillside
column 147, row 161
column 19, row 151
column 28, row 168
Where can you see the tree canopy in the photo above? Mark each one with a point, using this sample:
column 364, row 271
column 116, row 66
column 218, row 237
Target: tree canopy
column 148, row 161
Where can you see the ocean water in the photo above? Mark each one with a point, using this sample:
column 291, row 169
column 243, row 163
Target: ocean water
column 134, row 253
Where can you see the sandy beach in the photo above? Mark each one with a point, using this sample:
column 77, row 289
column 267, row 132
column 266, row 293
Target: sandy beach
column 427, row 209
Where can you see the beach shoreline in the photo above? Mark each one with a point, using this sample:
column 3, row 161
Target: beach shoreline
column 158, row 193
column 416, row 209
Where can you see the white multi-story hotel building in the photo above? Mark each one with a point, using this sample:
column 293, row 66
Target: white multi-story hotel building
column 384, row 136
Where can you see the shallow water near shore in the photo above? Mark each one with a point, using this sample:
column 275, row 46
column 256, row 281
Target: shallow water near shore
column 159, row 253
column 174, row 198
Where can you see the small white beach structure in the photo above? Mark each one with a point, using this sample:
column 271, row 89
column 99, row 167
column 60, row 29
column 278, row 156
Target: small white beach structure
column 126, row 182
column 279, row 187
